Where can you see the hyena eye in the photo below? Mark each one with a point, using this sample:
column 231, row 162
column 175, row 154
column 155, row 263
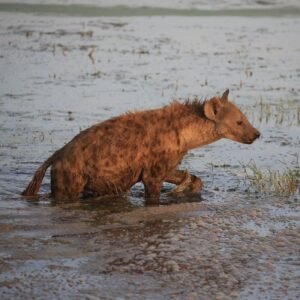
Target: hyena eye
column 239, row 122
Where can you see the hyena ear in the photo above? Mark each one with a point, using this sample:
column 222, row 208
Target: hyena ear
column 212, row 108
column 224, row 97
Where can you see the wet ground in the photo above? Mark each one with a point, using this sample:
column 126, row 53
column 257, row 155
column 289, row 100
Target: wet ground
column 63, row 73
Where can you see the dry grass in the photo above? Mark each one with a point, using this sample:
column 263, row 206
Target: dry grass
column 283, row 113
column 284, row 183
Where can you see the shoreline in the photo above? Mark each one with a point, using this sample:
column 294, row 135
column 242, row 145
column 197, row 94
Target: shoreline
column 87, row 10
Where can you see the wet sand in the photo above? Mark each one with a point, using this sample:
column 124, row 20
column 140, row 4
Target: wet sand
column 65, row 73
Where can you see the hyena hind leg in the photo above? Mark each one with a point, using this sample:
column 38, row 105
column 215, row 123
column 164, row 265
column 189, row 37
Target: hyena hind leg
column 66, row 186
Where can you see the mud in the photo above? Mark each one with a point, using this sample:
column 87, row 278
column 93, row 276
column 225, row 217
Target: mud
column 60, row 74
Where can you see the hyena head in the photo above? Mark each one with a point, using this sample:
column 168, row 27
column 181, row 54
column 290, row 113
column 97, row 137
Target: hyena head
column 230, row 122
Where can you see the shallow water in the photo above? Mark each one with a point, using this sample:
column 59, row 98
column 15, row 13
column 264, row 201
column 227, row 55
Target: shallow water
column 63, row 74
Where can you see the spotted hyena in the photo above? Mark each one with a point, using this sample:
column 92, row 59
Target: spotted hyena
column 147, row 146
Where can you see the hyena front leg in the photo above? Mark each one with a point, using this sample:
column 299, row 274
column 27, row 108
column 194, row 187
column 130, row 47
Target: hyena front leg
column 186, row 182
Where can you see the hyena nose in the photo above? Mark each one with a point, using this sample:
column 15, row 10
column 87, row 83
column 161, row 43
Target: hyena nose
column 257, row 134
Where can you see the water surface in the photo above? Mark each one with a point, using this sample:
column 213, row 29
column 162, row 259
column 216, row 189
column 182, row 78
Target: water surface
column 64, row 72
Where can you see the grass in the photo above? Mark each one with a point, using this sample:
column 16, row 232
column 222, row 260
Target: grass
column 282, row 113
column 284, row 183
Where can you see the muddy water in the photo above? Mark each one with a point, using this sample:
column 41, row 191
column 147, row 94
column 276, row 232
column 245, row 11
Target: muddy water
column 60, row 74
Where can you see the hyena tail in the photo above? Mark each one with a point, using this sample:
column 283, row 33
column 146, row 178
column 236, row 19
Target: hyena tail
column 35, row 184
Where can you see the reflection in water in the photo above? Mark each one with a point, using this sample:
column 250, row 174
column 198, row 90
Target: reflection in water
column 113, row 204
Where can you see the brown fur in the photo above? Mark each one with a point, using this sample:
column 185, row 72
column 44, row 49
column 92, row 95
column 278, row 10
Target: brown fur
column 110, row 157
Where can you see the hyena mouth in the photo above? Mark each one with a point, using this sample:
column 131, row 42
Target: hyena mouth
column 250, row 141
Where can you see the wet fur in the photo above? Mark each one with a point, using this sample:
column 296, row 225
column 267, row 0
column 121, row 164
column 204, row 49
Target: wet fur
column 110, row 157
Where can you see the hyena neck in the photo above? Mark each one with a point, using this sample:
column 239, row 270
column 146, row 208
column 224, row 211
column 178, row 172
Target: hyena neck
column 199, row 133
